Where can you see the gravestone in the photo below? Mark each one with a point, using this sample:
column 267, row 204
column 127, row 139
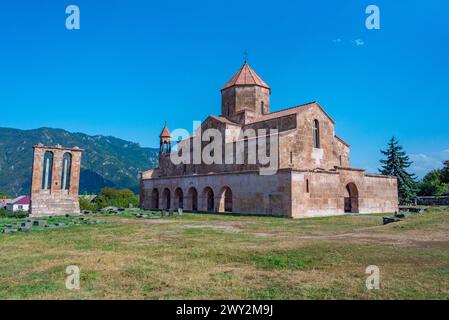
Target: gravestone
column 40, row 223
column 387, row 220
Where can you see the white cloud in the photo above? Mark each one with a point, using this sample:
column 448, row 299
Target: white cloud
column 336, row 40
column 423, row 163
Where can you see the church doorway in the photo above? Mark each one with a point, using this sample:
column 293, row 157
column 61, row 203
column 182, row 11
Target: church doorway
column 351, row 198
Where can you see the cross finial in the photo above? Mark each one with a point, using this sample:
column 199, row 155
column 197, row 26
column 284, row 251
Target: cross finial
column 245, row 56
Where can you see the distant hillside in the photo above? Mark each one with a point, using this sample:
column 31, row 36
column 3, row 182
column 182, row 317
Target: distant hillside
column 106, row 161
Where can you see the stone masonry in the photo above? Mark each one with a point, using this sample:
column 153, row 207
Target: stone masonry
column 314, row 178
column 55, row 181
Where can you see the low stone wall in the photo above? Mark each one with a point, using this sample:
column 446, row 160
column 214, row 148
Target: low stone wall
column 432, row 201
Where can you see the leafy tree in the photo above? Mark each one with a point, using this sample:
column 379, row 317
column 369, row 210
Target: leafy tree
column 396, row 164
column 117, row 198
column 435, row 183
column 85, row 204
column 431, row 184
column 445, row 172
column 4, row 196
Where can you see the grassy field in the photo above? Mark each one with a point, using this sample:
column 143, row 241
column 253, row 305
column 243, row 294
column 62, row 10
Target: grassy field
column 205, row 256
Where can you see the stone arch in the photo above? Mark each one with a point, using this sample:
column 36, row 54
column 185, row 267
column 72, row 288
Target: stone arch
column 155, row 199
column 208, row 199
column 47, row 171
column 179, row 198
column 192, row 196
column 351, row 198
column 166, row 198
column 225, row 204
column 66, row 171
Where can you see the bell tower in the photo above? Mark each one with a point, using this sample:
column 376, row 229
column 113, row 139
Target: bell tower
column 246, row 97
column 164, row 141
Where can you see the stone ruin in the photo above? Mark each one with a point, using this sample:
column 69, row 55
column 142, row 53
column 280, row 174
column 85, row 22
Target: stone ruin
column 55, row 181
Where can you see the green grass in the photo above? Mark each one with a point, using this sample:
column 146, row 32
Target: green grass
column 213, row 256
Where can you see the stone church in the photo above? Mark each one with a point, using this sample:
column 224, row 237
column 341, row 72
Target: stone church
column 313, row 176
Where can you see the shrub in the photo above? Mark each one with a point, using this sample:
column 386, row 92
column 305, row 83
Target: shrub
column 87, row 205
column 116, row 198
column 4, row 196
column 11, row 214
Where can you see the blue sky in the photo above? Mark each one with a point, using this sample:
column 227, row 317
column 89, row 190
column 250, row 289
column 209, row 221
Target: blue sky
column 134, row 64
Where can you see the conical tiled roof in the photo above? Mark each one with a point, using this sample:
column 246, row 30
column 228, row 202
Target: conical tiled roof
column 246, row 76
column 165, row 132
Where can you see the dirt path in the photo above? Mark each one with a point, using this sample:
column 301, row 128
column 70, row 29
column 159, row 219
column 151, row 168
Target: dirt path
column 420, row 238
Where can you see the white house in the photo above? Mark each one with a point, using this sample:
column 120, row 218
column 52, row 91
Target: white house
column 21, row 203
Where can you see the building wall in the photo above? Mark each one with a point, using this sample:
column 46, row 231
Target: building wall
column 302, row 143
column 4, row 202
column 310, row 181
column 55, row 201
column 17, row 207
column 295, row 146
column 285, row 193
column 254, row 100
column 251, row 192
column 328, row 189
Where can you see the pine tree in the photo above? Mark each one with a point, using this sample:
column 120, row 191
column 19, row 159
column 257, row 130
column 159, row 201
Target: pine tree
column 396, row 164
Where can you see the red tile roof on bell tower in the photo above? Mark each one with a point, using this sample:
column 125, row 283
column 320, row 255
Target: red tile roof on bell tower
column 165, row 132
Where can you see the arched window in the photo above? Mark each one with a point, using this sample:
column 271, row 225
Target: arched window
column 66, row 171
column 316, row 134
column 262, row 110
column 165, row 147
column 48, row 170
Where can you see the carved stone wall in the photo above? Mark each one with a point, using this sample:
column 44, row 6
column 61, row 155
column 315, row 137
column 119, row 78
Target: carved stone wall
column 54, row 187
column 289, row 193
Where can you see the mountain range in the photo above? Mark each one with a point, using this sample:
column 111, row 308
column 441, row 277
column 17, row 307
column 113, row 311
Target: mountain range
column 106, row 161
